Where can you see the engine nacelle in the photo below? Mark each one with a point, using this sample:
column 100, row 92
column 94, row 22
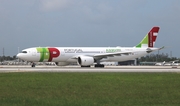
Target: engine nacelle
column 85, row 60
column 62, row 63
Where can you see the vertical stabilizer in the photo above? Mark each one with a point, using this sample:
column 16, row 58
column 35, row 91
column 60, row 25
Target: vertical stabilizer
column 149, row 39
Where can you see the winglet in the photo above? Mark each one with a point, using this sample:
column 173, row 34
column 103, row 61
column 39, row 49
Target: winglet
column 162, row 48
column 149, row 39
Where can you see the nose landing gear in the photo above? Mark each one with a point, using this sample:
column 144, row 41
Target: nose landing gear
column 33, row 64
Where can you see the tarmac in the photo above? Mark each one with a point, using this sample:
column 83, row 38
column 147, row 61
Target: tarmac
column 43, row 68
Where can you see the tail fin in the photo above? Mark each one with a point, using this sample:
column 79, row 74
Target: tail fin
column 149, row 39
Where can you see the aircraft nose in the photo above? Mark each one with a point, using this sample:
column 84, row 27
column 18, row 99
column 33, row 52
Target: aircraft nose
column 18, row 55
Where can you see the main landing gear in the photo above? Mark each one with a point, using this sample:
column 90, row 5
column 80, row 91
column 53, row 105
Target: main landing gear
column 99, row 65
column 33, row 64
column 86, row 66
column 96, row 66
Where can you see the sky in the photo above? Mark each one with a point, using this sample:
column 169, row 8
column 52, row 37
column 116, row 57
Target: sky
column 87, row 23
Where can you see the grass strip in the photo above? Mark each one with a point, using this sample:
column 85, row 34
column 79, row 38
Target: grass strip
column 87, row 89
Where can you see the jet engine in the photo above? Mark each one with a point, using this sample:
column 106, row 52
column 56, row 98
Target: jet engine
column 62, row 63
column 85, row 60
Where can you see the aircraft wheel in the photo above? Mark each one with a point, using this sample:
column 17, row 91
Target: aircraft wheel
column 86, row 66
column 33, row 65
column 99, row 65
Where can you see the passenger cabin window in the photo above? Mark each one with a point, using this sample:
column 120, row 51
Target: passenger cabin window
column 24, row 51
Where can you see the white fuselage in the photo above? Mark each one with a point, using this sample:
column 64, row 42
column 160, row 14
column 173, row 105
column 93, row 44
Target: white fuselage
column 70, row 54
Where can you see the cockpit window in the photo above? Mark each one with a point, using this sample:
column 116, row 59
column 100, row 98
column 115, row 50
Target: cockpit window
column 24, row 51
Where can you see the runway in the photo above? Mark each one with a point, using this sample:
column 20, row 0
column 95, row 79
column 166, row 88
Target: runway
column 22, row 68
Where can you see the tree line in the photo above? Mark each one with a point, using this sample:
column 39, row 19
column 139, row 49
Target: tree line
column 157, row 58
column 7, row 58
column 149, row 58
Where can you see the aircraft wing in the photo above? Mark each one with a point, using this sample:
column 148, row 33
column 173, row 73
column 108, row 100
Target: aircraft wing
column 105, row 55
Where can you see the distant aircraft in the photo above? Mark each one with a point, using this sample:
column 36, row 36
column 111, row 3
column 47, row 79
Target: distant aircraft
column 87, row 56
column 175, row 63
column 160, row 63
column 170, row 63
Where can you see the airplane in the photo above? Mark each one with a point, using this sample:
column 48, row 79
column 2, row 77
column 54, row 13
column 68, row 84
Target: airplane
column 170, row 63
column 87, row 56
column 160, row 63
column 175, row 63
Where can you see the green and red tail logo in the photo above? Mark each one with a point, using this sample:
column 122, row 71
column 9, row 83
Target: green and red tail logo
column 149, row 39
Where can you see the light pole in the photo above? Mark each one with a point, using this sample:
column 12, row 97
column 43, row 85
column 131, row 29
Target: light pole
column 3, row 54
column 18, row 49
